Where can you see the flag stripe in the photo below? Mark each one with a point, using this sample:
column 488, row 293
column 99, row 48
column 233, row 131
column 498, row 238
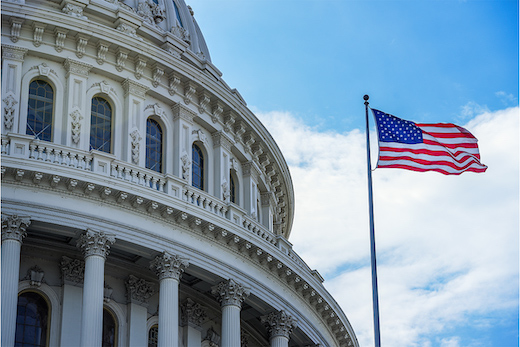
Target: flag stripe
column 445, row 148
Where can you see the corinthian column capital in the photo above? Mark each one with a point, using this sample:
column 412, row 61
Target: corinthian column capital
column 279, row 324
column 230, row 293
column 169, row 265
column 95, row 243
column 14, row 227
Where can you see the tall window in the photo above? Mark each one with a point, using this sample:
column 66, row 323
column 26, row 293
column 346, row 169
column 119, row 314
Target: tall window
column 40, row 109
column 109, row 329
column 197, row 159
column 153, row 336
column 177, row 14
column 153, row 145
column 32, row 320
column 101, row 125
column 232, row 188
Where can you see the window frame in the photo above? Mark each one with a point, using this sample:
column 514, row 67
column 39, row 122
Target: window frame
column 201, row 165
column 110, row 104
column 162, row 142
column 49, row 314
column 53, row 113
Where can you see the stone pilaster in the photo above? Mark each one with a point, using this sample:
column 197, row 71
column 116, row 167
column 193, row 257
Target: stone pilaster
column 138, row 291
column 13, row 232
column 279, row 326
column 168, row 268
column 193, row 316
column 12, row 61
column 230, row 294
column 95, row 247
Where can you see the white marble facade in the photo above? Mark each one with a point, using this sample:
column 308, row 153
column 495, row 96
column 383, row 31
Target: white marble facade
column 163, row 221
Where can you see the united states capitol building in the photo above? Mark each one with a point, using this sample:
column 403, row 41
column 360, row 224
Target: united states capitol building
column 143, row 203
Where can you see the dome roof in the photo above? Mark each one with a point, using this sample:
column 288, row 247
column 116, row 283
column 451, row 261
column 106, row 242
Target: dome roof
column 173, row 16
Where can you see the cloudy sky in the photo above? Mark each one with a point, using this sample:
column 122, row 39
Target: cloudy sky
column 447, row 246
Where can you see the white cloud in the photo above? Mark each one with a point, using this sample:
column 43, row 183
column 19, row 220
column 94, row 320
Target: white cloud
column 447, row 245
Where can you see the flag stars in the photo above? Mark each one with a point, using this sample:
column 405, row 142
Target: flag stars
column 393, row 129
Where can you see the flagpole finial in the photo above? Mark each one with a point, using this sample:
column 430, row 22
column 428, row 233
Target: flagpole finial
column 366, row 99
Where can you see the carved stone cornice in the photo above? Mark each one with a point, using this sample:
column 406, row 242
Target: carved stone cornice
column 14, row 227
column 250, row 168
column 192, row 313
column 138, row 290
column 95, row 243
column 72, row 270
column 76, row 67
column 279, row 324
column 230, row 293
column 13, row 52
column 183, row 112
column 169, row 265
column 134, row 88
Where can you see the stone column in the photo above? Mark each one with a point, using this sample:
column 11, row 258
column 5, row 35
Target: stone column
column 230, row 294
column 95, row 247
column 279, row 326
column 13, row 232
column 168, row 268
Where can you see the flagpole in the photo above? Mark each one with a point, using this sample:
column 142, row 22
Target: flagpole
column 375, row 301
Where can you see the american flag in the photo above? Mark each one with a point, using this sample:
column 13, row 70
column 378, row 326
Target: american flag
column 442, row 147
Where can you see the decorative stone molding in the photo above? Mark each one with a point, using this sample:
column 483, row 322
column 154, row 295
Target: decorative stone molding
column 102, row 49
column 233, row 163
column 225, row 190
column 157, row 110
column 38, row 29
column 9, row 109
column 14, row 227
column 240, row 129
column 73, row 10
column 138, row 290
column 35, row 275
column 121, row 56
column 199, row 136
column 212, row 339
column 107, row 293
column 60, row 35
column 204, row 100
column 16, row 27
column 186, row 166
column 180, row 32
column 76, row 125
column 13, row 52
column 76, row 67
column 173, row 83
column 181, row 111
column 169, row 265
column 230, row 292
column 221, row 139
column 150, row 11
column 189, row 90
column 140, row 64
column 81, row 45
column 192, row 313
column 136, row 144
column 95, row 243
column 127, row 29
column 72, row 270
column 279, row 324
column 134, row 88
column 217, row 110
column 157, row 73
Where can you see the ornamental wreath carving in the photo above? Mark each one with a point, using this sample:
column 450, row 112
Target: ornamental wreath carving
column 136, row 140
column 76, row 125
column 9, row 109
column 72, row 270
column 137, row 289
column 186, row 165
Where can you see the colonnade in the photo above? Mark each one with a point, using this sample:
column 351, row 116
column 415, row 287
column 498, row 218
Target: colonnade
column 95, row 246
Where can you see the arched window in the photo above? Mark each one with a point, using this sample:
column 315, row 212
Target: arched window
column 197, row 160
column 153, row 336
column 232, row 189
column 101, row 125
column 32, row 320
column 109, row 329
column 40, row 110
column 153, row 145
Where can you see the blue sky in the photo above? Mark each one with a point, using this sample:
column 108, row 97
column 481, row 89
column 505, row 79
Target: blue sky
column 447, row 246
